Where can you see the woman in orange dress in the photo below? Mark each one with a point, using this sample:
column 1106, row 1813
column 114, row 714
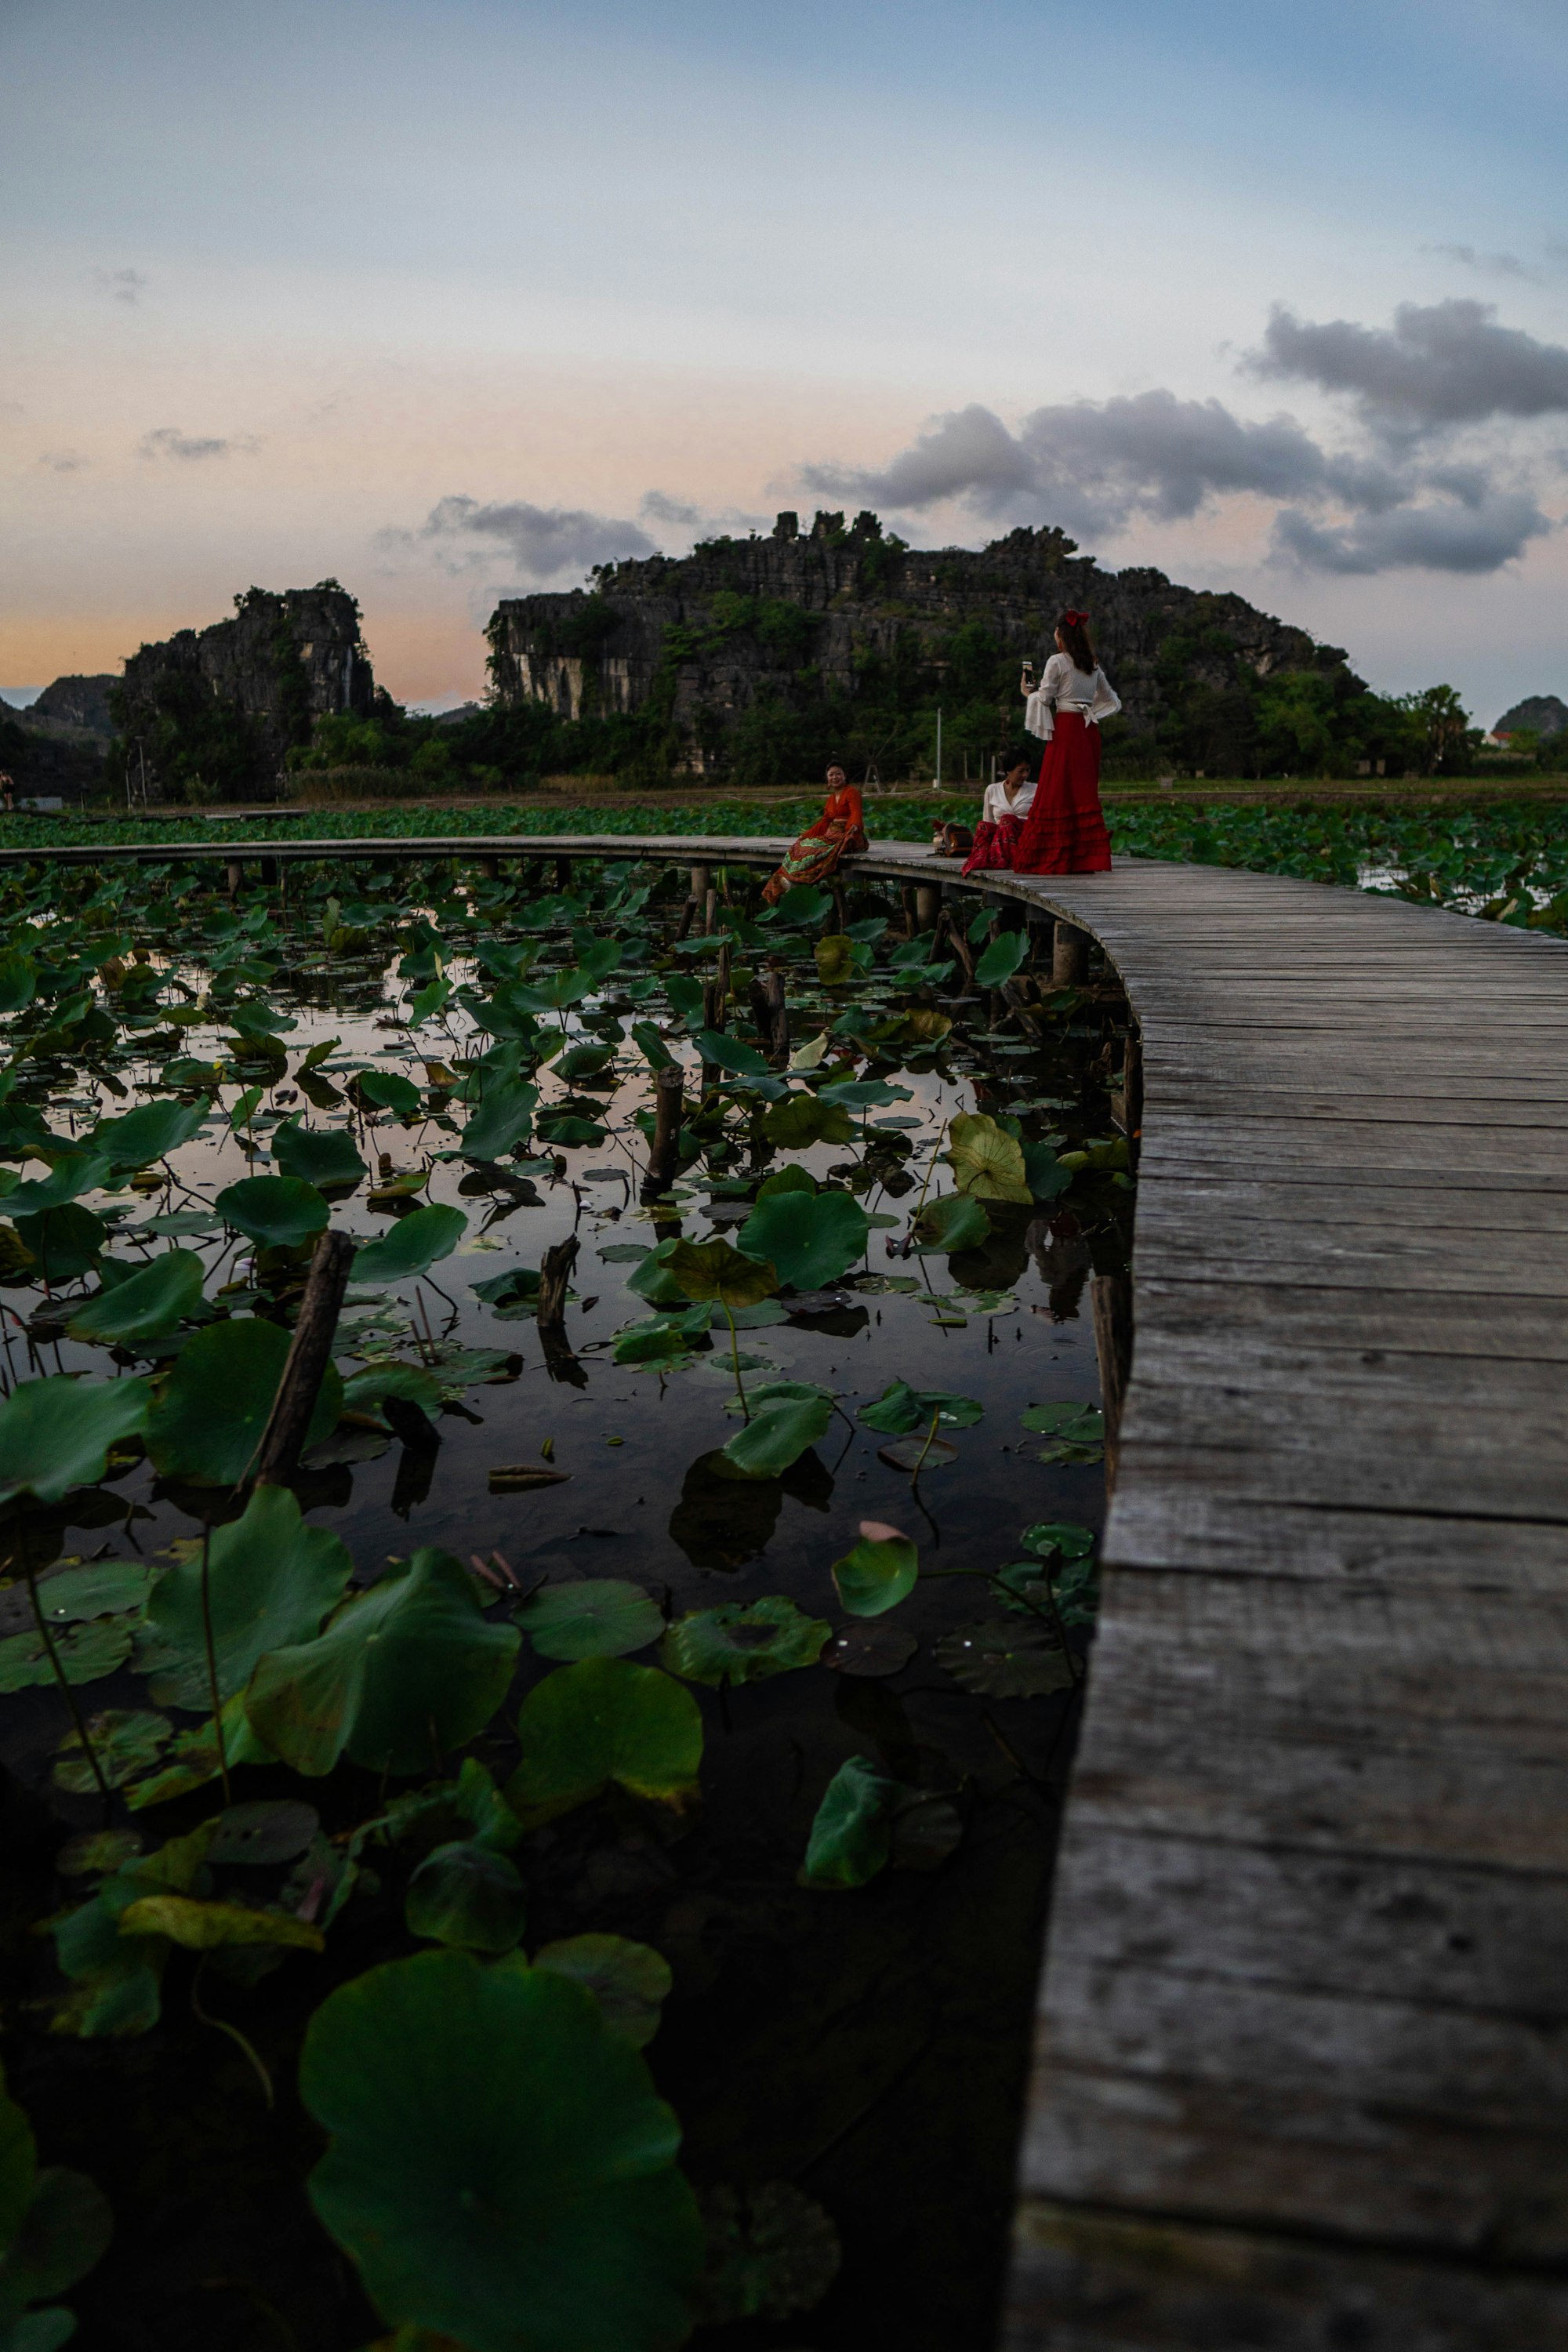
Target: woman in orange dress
column 839, row 831
column 1064, row 830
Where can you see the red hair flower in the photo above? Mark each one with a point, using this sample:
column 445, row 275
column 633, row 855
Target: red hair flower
column 1075, row 620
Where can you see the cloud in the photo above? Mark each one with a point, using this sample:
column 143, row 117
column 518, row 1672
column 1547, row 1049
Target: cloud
column 63, row 461
column 124, row 285
column 1490, row 265
column 543, row 542
column 1444, row 364
column 168, row 441
column 1437, row 535
column 655, row 507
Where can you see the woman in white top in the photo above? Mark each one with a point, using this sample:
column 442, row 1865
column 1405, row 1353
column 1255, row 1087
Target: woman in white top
column 1066, row 833
column 1001, row 815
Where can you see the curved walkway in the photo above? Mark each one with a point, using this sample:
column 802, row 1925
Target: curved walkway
column 1302, row 2081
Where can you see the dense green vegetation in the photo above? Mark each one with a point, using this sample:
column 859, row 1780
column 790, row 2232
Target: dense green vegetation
column 1508, row 860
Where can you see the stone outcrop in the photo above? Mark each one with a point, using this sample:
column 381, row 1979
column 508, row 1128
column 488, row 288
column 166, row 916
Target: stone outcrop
column 227, row 702
column 798, row 615
column 78, row 703
column 1547, row 714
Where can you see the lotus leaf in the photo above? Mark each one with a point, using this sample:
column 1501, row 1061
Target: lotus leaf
column 214, row 1401
column 389, row 1090
column 604, row 1720
column 100, row 1588
column 1068, row 1536
column 65, row 1241
column 416, row 1243
column 408, row 1665
column 733, row 1053
column 277, row 1212
column 56, row 1434
column 809, row 1238
column 654, row 1280
column 777, row 1434
column 1006, row 1659
column 792, row 1179
column 1002, row 958
column 272, row 1830
column 953, row 1221
column 18, row 979
column 661, row 1344
column 317, row 1155
column 880, row 1571
column 851, row 1836
column 1046, row 1175
column 601, row 1617
column 501, row 1123
column 147, row 1305
column 864, row 1094
column 840, row 958
column 126, row 1741
column 55, row 2224
column 802, row 905
column 75, row 1173
column 202, row 1927
column 271, row 1581
column 743, row 1643
column 800, row 1121
column 148, row 1133
column 901, row 1410
column 467, row 1895
column 985, row 1160
column 566, row 1129
column 630, row 1981
column 771, row 2251
column 499, row 2167
column 366, row 1389
column 875, row 1649
column 84, row 1654
column 714, row 1270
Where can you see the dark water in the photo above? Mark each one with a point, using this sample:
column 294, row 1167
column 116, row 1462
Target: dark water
column 869, row 2047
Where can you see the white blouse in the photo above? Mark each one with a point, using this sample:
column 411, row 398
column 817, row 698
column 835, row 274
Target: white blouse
column 1070, row 690
column 996, row 805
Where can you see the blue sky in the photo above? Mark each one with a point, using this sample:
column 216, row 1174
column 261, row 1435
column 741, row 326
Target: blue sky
column 450, row 297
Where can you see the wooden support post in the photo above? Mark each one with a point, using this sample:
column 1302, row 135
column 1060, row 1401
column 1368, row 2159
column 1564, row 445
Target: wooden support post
column 490, row 868
column 710, row 911
column 928, row 905
column 840, row 906
column 911, row 918
column 1070, row 956
column 701, row 878
column 234, row 874
column 554, row 1272
column 1111, row 1300
column 714, row 994
column 666, row 1120
column 777, row 1034
column 304, row 1366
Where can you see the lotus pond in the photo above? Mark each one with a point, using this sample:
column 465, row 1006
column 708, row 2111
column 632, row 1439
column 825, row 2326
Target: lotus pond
column 552, row 1855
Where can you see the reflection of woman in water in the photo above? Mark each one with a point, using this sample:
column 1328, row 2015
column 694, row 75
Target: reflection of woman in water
column 838, row 833
column 1002, row 815
column 1066, row 829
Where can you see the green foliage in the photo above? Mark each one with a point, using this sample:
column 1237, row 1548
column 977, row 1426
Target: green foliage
column 467, row 1895
column 213, row 1403
column 498, row 2166
column 147, row 1305
column 319, row 1156
column 851, row 1836
column 271, row 1581
column 781, row 1429
column 56, row 1434
column 808, row 1238
column 601, row 1618
column 882, row 1570
column 416, row 1243
column 604, row 1720
column 275, row 1212
column 743, row 1643
column 630, row 1981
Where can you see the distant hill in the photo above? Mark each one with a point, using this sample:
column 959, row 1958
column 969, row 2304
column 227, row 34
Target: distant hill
column 751, row 659
column 1547, row 714
column 77, row 702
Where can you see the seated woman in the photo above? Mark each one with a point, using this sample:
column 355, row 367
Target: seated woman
column 1006, row 807
column 838, row 833
column 1064, row 833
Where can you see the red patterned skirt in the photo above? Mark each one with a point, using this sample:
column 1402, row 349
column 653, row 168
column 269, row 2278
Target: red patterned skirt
column 1064, row 830
column 993, row 847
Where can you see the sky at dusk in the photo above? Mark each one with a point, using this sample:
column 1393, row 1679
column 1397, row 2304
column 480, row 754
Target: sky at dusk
column 453, row 299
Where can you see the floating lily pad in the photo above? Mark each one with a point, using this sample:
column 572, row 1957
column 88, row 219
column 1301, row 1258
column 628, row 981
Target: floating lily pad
column 85, row 1653
column 630, row 1981
column 604, row 1720
column 901, row 1410
column 599, row 1618
column 500, row 2167
column 771, row 2251
column 277, row 1212
column 272, row 1830
column 872, row 1650
column 743, row 1643
column 126, row 1741
column 416, row 1243
column 914, row 1453
column 1006, row 1658
column 98, row 1588
column 467, row 1895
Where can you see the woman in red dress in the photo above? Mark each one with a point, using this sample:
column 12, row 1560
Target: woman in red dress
column 1066, row 833
column 839, row 831
column 1003, row 812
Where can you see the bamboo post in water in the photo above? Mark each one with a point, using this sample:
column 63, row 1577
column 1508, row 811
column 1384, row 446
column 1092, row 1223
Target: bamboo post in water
column 304, row 1367
column 778, row 1007
column 554, row 1272
column 666, row 1131
column 1070, row 956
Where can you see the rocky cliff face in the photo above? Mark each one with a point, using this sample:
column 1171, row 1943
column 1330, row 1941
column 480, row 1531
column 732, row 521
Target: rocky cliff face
column 221, row 707
column 78, row 703
column 835, row 612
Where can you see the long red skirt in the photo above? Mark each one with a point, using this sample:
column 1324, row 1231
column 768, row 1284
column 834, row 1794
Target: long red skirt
column 993, row 847
column 1064, row 830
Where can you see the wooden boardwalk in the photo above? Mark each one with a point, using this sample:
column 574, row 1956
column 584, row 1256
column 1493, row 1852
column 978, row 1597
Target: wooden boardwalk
column 1303, row 2075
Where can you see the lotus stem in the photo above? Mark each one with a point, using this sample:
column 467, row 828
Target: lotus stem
column 735, row 1360
column 925, row 1449
column 221, row 2025
column 211, row 1648
column 66, row 1692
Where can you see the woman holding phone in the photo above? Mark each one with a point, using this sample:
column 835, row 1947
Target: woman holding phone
column 1065, row 830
